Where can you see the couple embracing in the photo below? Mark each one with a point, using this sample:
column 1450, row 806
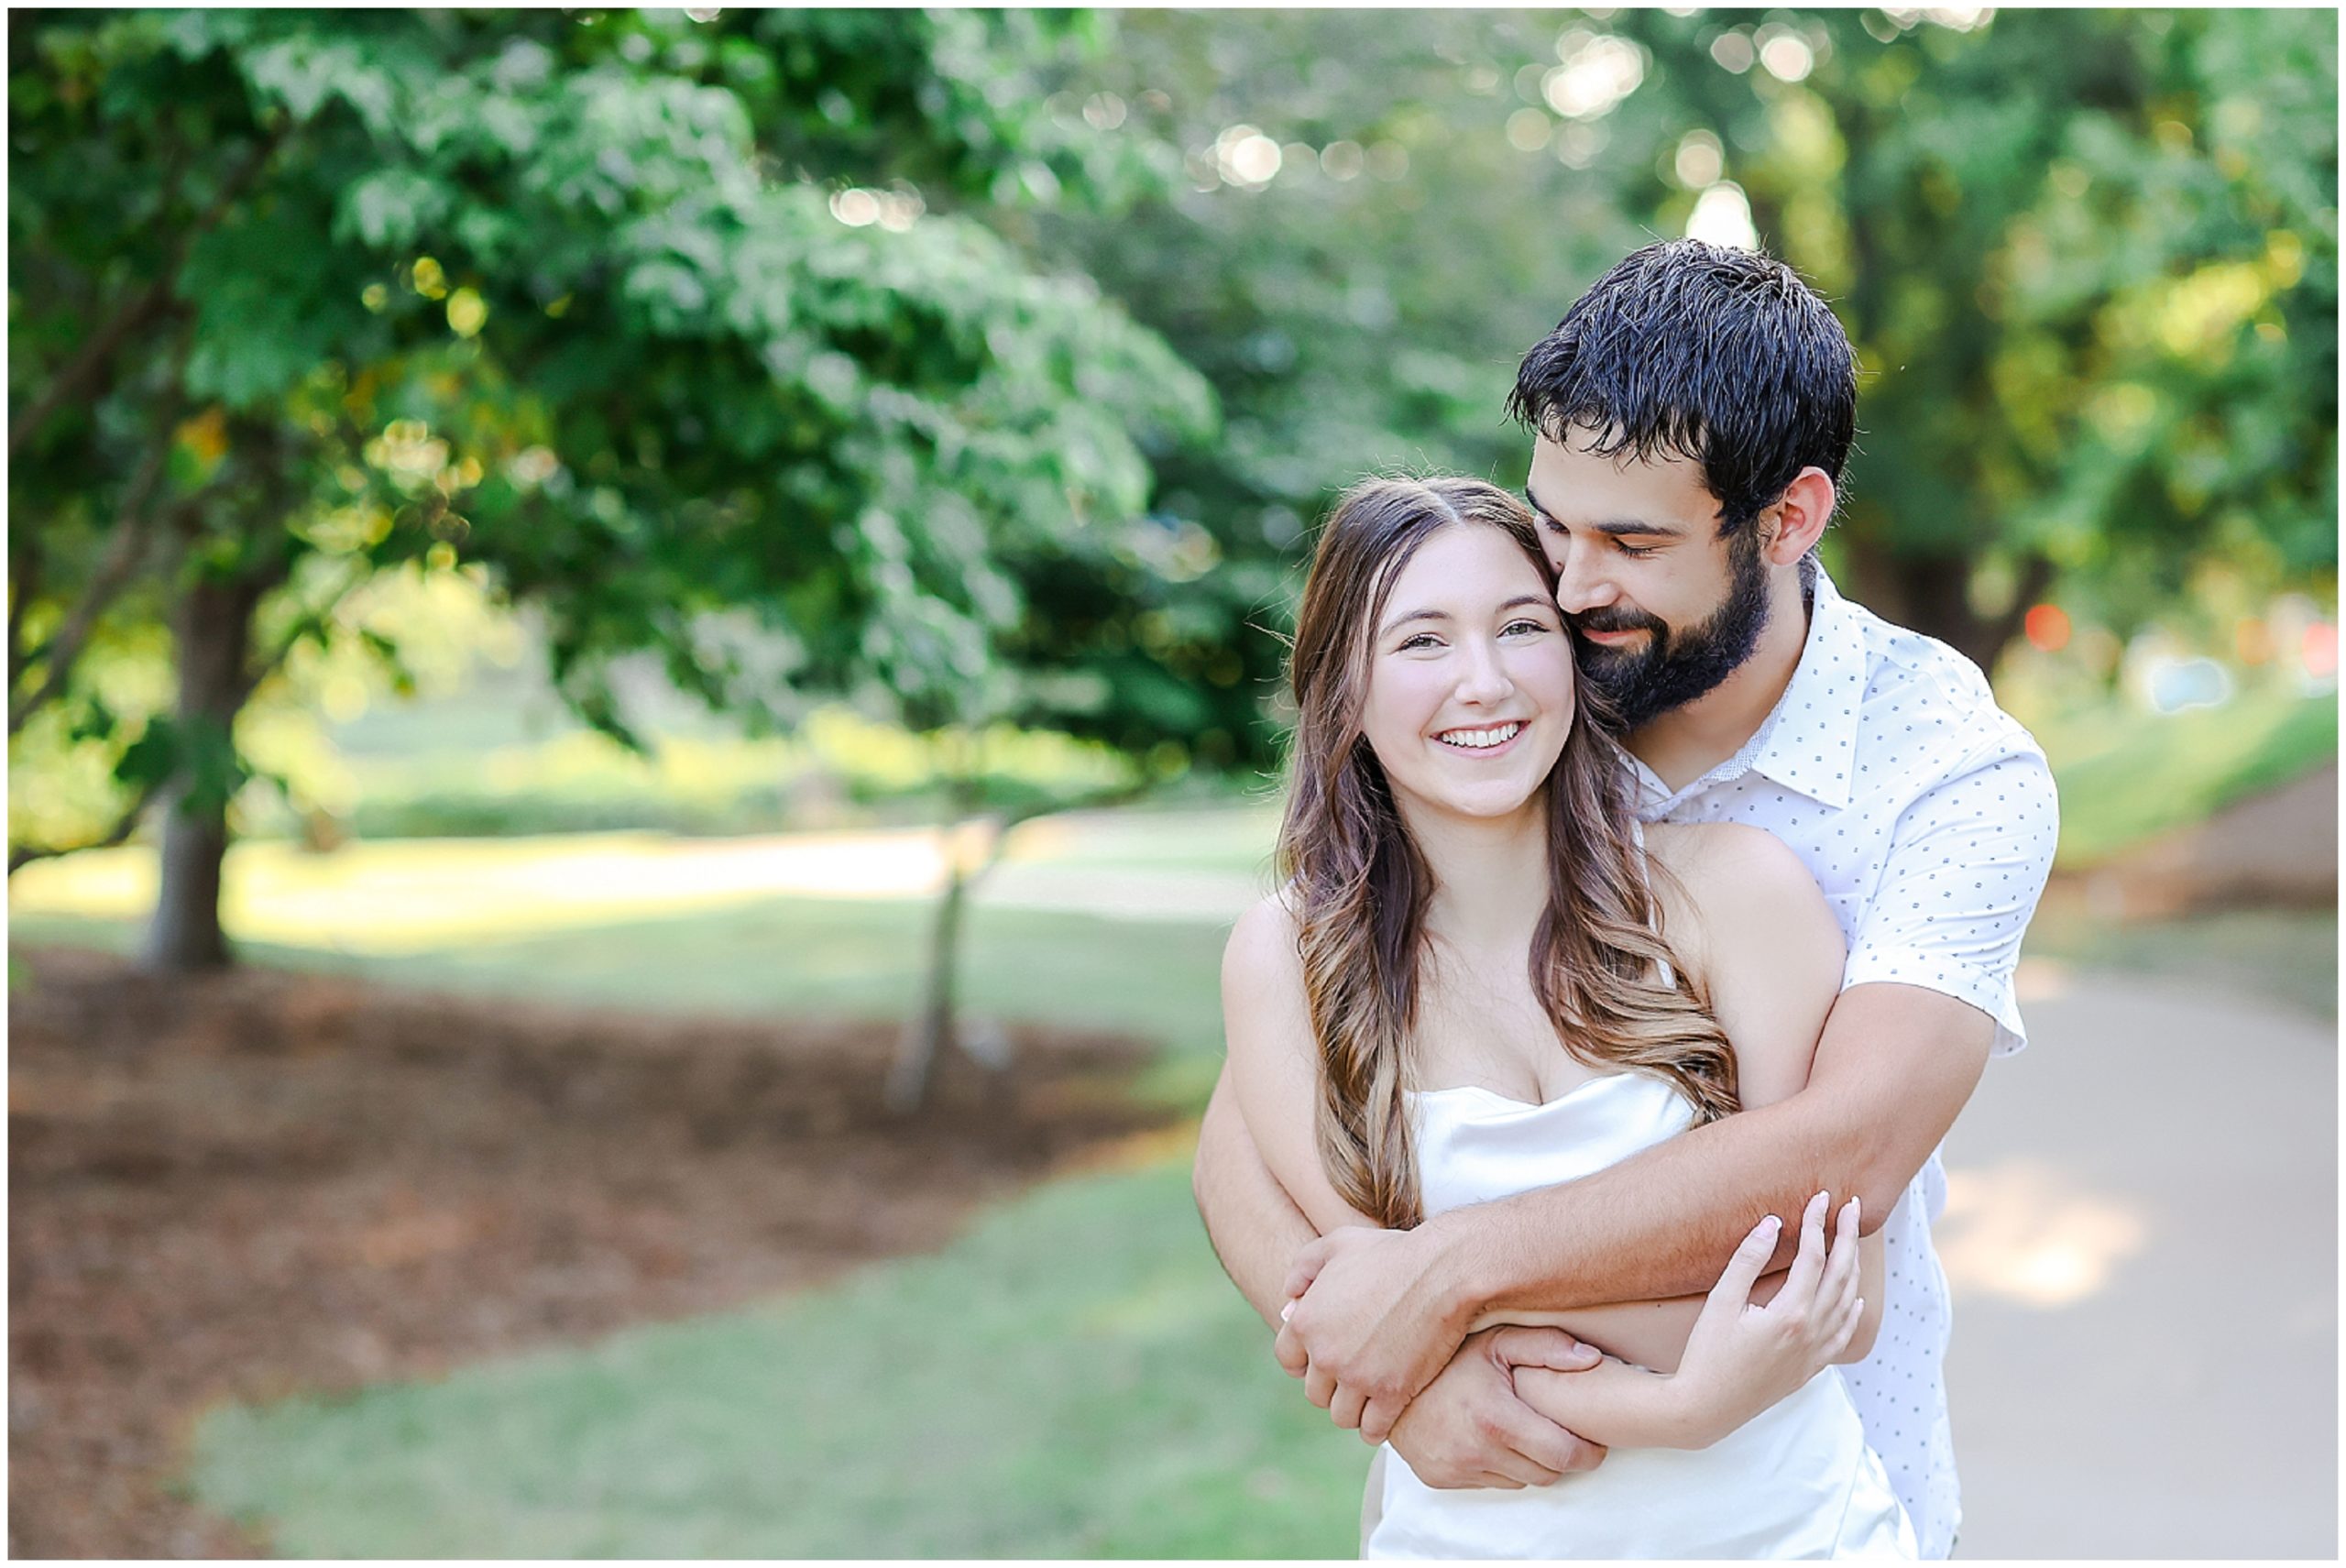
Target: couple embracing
column 1649, row 912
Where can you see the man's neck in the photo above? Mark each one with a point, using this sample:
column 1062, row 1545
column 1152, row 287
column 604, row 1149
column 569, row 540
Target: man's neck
column 1688, row 741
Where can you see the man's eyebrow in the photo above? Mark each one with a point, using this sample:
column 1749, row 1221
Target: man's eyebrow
column 1520, row 601
column 1616, row 526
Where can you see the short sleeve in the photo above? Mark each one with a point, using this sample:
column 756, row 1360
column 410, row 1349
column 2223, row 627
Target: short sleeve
column 1966, row 865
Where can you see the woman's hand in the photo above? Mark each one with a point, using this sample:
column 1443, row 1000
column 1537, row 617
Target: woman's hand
column 1742, row 1358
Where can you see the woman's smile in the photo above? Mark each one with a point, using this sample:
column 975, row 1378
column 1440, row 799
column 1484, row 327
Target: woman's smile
column 1484, row 742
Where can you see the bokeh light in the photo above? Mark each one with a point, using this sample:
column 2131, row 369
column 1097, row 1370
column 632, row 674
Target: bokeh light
column 2046, row 626
column 1700, row 161
column 1721, row 216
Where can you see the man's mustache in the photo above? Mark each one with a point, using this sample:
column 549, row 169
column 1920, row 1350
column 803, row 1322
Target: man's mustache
column 1615, row 618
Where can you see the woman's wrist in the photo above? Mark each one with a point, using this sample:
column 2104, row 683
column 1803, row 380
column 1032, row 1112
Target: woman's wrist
column 1698, row 1415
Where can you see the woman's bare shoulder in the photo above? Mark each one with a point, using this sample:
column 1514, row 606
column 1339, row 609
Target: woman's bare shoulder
column 1711, row 849
column 1728, row 872
column 1262, row 945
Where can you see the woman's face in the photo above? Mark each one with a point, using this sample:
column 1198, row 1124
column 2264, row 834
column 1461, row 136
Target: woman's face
column 1470, row 676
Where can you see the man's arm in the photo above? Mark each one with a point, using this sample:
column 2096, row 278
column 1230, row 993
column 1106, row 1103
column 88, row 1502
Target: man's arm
column 1927, row 995
column 1895, row 1065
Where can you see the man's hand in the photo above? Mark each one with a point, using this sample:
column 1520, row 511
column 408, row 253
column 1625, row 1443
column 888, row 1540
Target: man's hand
column 1371, row 1325
column 1468, row 1427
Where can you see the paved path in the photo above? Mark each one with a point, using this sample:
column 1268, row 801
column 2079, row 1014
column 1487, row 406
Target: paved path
column 2142, row 1234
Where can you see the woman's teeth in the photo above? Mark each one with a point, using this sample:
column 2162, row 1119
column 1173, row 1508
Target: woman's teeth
column 1479, row 739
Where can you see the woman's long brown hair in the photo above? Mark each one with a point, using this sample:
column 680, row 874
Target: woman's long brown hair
column 1360, row 888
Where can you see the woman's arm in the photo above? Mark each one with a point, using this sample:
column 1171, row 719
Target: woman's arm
column 1274, row 1063
column 1653, row 1334
column 1741, row 1358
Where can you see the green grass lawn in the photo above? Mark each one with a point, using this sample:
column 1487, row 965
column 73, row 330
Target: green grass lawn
column 2126, row 777
column 1237, row 838
column 1074, row 1378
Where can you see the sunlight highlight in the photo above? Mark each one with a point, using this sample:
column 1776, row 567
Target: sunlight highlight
column 2026, row 1230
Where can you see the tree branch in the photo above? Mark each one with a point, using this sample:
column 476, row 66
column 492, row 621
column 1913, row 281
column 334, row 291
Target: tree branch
column 83, row 372
column 24, row 585
column 21, row 855
column 276, row 657
column 125, row 546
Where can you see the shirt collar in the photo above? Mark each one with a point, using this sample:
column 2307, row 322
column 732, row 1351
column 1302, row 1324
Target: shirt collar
column 1808, row 743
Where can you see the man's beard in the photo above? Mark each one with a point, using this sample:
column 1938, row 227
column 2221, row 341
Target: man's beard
column 1674, row 668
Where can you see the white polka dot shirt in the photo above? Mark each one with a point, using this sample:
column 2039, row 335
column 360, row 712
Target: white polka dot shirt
column 1927, row 816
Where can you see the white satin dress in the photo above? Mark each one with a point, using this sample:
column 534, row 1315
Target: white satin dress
column 1797, row 1481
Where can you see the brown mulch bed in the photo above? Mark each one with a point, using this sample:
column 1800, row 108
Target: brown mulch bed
column 240, row 1185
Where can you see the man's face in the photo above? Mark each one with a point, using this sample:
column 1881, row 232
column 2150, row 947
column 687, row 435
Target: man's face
column 1661, row 608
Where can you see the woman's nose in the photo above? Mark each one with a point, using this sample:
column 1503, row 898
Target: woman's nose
column 1485, row 678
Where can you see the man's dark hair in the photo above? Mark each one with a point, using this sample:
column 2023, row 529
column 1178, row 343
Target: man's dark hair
column 1722, row 356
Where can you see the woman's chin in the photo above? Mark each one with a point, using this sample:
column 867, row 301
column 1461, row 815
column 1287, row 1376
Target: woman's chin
column 1493, row 802
column 1479, row 791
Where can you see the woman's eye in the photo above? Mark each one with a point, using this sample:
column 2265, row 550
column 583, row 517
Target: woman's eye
column 1422, row 640
column 1513, row 627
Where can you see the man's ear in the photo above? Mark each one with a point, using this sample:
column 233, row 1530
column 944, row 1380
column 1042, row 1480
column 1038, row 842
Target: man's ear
column 1801, row 514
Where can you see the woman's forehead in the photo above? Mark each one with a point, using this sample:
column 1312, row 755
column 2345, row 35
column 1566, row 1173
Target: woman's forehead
column 1462, row 567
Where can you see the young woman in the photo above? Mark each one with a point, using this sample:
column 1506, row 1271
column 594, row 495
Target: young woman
column 1482, row 977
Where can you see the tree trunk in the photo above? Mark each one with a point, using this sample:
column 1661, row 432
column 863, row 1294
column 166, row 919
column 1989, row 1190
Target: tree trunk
column 929, row 1032
column 937, row 1025
column 1930, row 594
column 213, row 631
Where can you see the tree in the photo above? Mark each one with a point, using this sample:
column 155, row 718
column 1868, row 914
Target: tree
column 590, row 300
column 2088, row 259
column 1359, row 245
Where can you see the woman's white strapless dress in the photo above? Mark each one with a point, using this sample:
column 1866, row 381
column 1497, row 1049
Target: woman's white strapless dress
column 1798, row 1481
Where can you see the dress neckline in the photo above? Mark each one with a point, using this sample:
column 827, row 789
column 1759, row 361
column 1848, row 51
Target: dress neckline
column 1586, row 1083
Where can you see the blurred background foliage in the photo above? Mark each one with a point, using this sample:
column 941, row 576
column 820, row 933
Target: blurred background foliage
column 981, row 374
column 545, row 296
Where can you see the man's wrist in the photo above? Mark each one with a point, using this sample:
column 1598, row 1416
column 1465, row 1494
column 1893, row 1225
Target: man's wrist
column 1458, row 1275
